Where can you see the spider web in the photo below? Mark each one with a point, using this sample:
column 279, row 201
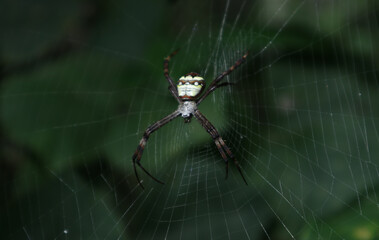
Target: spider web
column 301, row 118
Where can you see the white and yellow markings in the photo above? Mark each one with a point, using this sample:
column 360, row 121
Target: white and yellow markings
column 189, row 87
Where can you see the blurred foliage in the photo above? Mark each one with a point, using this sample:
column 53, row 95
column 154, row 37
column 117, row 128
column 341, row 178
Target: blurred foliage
column 81, row 80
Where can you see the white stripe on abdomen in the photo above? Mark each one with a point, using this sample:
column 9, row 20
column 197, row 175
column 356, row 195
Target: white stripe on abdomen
column 189, row 90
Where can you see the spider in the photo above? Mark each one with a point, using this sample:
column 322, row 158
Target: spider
column 189, row 95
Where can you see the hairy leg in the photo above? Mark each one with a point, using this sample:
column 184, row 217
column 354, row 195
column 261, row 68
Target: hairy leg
column 172, row 87
column 215, row 84
column 221, row 146
column 138, row 153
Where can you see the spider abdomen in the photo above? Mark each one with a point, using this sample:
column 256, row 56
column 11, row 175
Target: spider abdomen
column 190, row 86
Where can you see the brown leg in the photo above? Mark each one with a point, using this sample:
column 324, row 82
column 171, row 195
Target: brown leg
column 214, row 85
column 138, row 154
column 172, row 86
column 221, row 146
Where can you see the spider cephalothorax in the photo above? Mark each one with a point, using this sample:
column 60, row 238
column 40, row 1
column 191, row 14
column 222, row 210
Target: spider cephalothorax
column 189, row 95
column 190, row 86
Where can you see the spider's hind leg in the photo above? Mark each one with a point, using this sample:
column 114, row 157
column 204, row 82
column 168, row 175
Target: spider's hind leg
column 215, row 83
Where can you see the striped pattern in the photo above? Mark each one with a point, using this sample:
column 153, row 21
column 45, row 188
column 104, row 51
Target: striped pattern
column 190, row 86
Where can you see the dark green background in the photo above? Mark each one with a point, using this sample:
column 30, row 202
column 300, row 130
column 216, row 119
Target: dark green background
column 81, row 80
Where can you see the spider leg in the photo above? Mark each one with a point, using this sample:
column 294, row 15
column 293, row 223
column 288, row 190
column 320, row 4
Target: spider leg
column 220, row 85
column 173, row 92
column 221, row 146
column 223, row 155
column 231, row 155
column 214, row 85
column 172, row 87
column 138, row 153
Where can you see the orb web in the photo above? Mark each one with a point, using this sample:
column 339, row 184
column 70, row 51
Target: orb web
column 300, row 115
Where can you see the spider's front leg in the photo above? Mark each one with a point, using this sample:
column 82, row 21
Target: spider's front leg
column 138, row 154
column 221, row 146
